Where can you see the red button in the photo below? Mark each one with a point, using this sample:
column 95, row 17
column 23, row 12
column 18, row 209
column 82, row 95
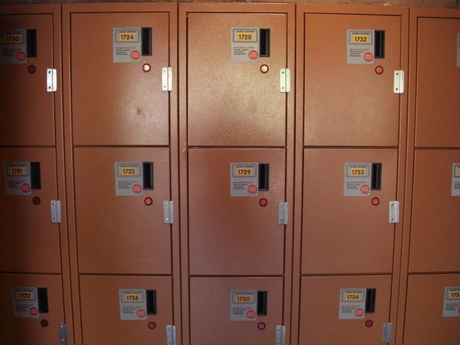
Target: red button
column 31, row 69
column 146, row 67
column 148, row 201
column 379, row 69
column 369, row 323
column 261, row 326
column 36, row 200
column 44, row 323
column 263, row 202
column 375, row 201
column 152, row 325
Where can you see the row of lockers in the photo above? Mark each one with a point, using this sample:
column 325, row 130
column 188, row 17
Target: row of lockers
column 229, row 173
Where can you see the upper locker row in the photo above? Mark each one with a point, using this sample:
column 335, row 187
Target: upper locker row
column 214, row 89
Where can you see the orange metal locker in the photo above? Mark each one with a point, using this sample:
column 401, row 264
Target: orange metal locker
column 120, row 229
column 348, row 310
column 126, row 309
column 117, row 75
column 27, row 50
column 435, row 212
column 32, row 309
column 433, row 310
column 234, row 62
column 231, row 235
column 349, row 65
column 218, row 316
column 346, row 234
column 438, row 78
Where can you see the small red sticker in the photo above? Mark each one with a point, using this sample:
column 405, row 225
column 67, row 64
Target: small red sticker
column 252, row 189
column 135, row 55
column 25, row 188
column 251, row 314
column 365, row 189
column 137, row 188
column 359, row 312
column 368, row 57
column 253, row 54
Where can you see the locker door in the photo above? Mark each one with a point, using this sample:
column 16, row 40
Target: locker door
column 213, row 306
column 231, row 235
column 435, row 212
column 28, row 184
column 326, row 319
column 122, row 233
column 347, row 103
column 433, row 310
column 231, row 101
column 32, row 308
column 125, row 309
column 27, row 108
column 114, row 101
column 347, row 234
column 438, row 81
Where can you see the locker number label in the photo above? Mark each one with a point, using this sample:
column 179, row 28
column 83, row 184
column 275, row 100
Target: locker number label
column 127, row 37
column 362, row 171
column 451, row 301
column 357, row 179
column 132, row 297
column 13, row 38
column 127, row 45
column 243, row 298
column 456, row 179
column 360, row 47
column 133, row 304
column 352, row 304
column 128, row 179
column 25, row 302
column 244, row 180
column 244, row 36
column 17, row 178
column 245, row 44
column 248, row 171
column 243, row 305
column 13, row 46
column 360, row 38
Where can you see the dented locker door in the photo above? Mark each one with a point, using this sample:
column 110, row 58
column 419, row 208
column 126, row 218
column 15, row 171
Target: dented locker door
column 125, row 309
column 433, row 310
column 120, row 212
column 217, row 316
column 346, row 102
column 343, row 232
column 348, row 310
column 114, row 101
column 438, row 81
column 231, row 234
column 233, row 79
column 28, row 185
column 435, row 212
column 32, row 308
column 26, row 106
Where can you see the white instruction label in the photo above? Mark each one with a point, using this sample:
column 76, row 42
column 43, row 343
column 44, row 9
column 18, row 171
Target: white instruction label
column 13, row 46
column 245, row 44
column 133, row 305
column 357, row 180
column 243, row 305
column 456, row 179
column 451, row 301
column 352, row 304
column 360, row 46
column 128, row 179
column 17, row 178
column 127, row 45
column 25, row 302
column 244, row 179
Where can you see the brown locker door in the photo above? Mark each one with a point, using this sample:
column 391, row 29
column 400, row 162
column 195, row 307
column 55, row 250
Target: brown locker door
column 27, row 108
column 234, row 103
column 101, row 312
column 438, row 82
column 212, row 309
column 121, row 234
column 26, row 227
column 117, row 103
column 435, row 213
column 426, row 321
column 29, row 330
column 350, row 104
column 232, row 235
column 346, row 234
column 321, row 304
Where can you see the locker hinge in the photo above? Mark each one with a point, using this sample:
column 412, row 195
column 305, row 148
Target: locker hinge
column 387, row 332
column 398, row 86
column 171, row 335
column 280, row 335
column 166, row 79
column 63, row 333
column 51, row 80
column 55, row 211
column 283, row 213
column 285, row 80
column 394, row 212
column 168, row 207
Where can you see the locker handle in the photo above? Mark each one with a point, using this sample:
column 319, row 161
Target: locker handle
column 264, row 47
column 146, row 34
column 35, row 178
column 379, row 50
column 151, row 297
column 147, row 172
column 42, row 296
column 262, row 301
column 263, row 176
column 31, row 42
column 376, row 177
column 370, row 300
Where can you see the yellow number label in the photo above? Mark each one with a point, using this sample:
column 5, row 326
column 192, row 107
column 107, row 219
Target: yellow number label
column 15, row 38
column 21, row 295
column 245, row 37
column 16, row 171
column 454, row 294
column 358, row 172
column 243, row 298
column 353, row 296
column 244, row 171
column 131, row 171
column 360, row 38
column 127, row 37
column 457, row 172
column 131, row 297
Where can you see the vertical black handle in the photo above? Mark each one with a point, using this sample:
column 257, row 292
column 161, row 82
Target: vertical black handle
column 147, row 175
column 42, row 296
column 264, row 176
column 264, row 47
column 31, row 43
column 379, row 47
column 146, row 34
column 370, row 300
column 376, row 178
column 35, row 176
column 262, row 302
column 151, row 297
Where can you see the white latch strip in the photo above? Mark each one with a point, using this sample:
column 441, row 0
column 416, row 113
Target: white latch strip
column 51, row 80
column 283, row 213
column 398, row 86
column 280, row 335
column 166, row 79
column 168, row 207
column 285, row 80
column 387, row 333
column 171, row 335
column 55, row 211
column 394, row 212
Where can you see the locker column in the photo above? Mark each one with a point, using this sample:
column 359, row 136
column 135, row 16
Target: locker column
column 236, row 134
column 34, row 271
column 431, row 276
column 351, row 123
column 121, row 113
